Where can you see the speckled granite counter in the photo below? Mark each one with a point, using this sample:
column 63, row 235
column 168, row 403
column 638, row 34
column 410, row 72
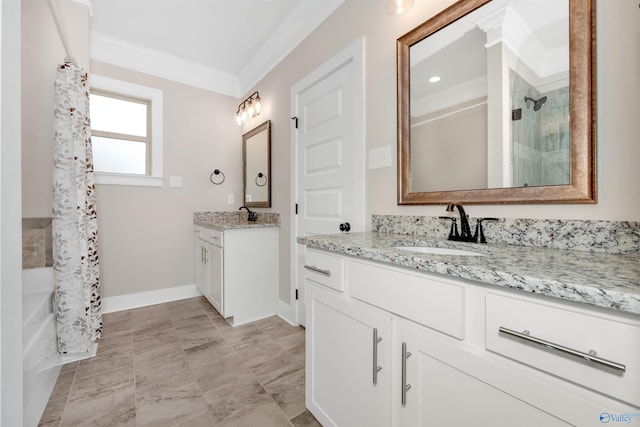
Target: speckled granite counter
column 601, row 279
column 227, row 220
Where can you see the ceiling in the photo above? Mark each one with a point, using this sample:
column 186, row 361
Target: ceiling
column 220, row 45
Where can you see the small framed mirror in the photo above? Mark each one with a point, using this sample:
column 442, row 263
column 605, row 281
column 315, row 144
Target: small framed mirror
column 256, row 153
column 496, row 104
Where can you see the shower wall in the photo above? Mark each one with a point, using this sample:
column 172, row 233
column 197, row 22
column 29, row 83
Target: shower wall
column 540, row 138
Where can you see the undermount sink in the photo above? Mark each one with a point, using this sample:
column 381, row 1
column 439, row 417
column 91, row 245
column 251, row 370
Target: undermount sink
column 438, row 251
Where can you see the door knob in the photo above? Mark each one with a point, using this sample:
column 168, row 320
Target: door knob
column 345, row 226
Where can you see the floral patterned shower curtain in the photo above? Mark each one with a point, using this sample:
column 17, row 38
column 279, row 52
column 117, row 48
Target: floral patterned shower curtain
column 75, row 237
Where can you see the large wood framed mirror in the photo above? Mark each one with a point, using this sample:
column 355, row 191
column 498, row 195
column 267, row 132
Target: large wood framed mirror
column 257, row 166
column 496, row 104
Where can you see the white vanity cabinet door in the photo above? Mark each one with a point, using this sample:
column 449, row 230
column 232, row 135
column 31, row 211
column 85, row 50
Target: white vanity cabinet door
column 202, row 279
column 341, row 337
column 448, row 387
column 215, row 272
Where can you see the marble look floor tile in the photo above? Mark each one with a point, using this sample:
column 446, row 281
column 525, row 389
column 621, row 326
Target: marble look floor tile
column 220, row 372
column 108, row 410
column 104, row 363
column 220, row 323
column 68, row 367
column 244, row 333
column 203, row 420
column 118, row 342
column 255, row 352
column 150, row 327
column 53, row 412
column 163, row 404
column 154, row 338
column 102, row 384
column 305, row 419
column 62, row 388
column 268, row 415
column 275, row 368
column 288, row 392
column 232, row 400
column 154, row 357
column 209, row 309
column 203, row 356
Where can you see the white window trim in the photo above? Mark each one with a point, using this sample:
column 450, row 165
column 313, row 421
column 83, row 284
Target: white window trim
column 156, row 178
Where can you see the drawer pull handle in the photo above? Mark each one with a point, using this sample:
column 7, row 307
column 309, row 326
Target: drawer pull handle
column 376, row 367
column 405, row 387
column 590, row 356
column 318, row 270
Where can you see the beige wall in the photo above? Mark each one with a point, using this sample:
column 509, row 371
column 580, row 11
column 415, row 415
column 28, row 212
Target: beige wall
column 42, row 52
column 146, row 232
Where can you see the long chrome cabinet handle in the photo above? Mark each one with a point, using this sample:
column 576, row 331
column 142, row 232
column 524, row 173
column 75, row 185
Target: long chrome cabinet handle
column 376, row 368
column 405, row 387
column 202, row 254
column 318, row 270
column 591, row 356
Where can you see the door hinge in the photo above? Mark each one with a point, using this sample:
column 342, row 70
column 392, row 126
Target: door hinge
column 296, row 209
column 296, row 294
column 295, row 119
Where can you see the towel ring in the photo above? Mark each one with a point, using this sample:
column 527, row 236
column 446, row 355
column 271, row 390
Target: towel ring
column 261, row 175
column 216, row 172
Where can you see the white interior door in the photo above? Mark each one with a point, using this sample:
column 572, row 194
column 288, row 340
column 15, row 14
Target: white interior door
column 329, row 154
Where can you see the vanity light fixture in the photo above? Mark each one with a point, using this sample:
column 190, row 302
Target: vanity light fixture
column 249, row 108
column 397, row 7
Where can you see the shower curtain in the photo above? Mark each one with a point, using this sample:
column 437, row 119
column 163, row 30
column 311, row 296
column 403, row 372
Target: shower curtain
column 75, row 238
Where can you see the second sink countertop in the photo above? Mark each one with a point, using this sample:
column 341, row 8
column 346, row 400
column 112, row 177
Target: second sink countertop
column 232, row 220
column 600, row 279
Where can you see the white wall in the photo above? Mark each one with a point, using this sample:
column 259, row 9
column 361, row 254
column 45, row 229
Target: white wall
column 146, row 233
column 10, row 222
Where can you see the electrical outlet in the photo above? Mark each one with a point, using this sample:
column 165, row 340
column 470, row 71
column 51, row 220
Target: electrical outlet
column 380, row 157
column 231, row 199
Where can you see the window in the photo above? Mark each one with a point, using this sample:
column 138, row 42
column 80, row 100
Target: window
column 126, row 132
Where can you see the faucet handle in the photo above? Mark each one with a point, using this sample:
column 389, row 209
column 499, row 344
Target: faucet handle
column 479, row 234
column 454, row 226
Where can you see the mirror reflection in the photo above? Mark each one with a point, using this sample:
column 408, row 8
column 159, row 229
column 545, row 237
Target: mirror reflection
column 257, row 166
column 489, row 99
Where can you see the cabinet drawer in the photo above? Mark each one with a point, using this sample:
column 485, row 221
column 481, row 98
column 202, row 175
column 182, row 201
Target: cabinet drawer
column 421, row 298
column 325, row 269
column 562, row 342
column 209, row 235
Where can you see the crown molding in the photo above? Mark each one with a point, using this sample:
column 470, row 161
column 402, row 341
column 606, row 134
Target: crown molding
column 302, row 21
column 305, row 18
column 121, row 53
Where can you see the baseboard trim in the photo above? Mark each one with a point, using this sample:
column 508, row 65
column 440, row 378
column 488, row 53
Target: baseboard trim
column 287, row 313
column 143, row 299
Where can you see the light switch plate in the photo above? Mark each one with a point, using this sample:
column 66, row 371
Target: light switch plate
column 231, row 199
column 175, row 181
column 380, row 157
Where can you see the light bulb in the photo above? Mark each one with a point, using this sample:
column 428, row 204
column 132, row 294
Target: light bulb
column 258, row 105
column 238, row 119
column 396, row 7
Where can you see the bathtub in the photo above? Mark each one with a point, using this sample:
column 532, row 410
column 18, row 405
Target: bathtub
column 41, row 360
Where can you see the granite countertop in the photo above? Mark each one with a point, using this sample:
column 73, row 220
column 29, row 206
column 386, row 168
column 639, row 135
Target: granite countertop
column 601, row 279
column 230, row 220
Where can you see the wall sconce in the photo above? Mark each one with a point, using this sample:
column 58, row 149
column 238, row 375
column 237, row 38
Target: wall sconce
column 249, row 108
column 396, row 7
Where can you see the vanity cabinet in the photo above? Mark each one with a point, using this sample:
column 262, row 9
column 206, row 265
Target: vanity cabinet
column 444, row 363
column 237, row 271
column 350, row 361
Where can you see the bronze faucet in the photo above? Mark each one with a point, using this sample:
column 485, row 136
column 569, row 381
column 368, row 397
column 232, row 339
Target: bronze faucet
column 465, row 230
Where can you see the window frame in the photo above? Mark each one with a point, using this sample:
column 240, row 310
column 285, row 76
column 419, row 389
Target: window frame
column 127, row 90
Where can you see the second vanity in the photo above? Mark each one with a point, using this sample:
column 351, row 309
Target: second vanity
column 237, row 264
column 517, row 335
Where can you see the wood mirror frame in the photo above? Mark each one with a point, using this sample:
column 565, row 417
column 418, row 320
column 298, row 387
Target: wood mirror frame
column 265, row 129
column 582, row 63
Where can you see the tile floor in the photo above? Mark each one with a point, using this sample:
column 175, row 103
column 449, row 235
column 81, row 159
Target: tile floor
column 181, row 364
